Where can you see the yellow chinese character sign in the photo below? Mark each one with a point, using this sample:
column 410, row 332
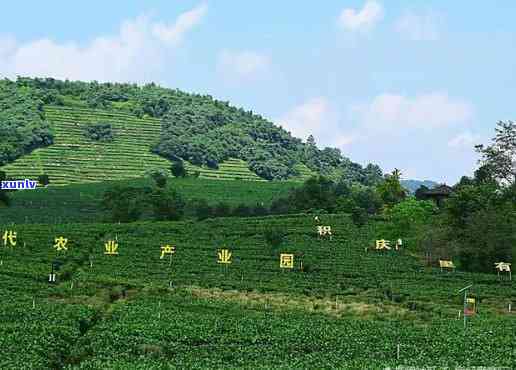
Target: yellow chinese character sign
column 224, row 256
column 9, row 238
column 111, row 248
column 286, row 261
column 383, row 244
column 60, row 243
column 167, row 249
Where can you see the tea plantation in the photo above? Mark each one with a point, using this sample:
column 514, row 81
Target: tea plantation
column 346, row 307
column 75, row 158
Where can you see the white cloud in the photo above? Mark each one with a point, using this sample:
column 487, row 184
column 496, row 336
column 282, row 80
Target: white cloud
column 465, row 140
column 418, row 27
column 357, row 20
column 427, row 111
column 344, row 140
column 308, row 118
column 137, row 53
column 173, row 34
column 242, row 65
column 413, row 133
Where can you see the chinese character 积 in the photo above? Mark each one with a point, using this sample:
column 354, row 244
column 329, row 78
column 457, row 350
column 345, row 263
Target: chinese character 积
column 224, row 256
column 9, row 236
column 286, row 260
column 382, row 244
column 324, row 230
column 111, row 248
column 167, row 249
column 61, row 243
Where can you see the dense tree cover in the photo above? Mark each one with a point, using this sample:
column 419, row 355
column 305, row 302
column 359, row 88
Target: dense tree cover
column 4, row 198
column 44, row 180
column 22, row 123
column 202, row 130
column 127, row 204
column 159, row 177
column 178, row 169
column 391, row 190
column 499, row 158
column 99, row 132
column 477, row 224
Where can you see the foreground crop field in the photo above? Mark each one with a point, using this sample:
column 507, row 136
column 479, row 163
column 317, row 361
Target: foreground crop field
column 347, row 307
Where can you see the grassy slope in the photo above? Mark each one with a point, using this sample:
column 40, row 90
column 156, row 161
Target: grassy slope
column 262, row 316
column 80, row 202
column 75, row 159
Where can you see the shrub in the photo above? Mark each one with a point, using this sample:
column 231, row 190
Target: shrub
column 159, row 176
column 274, row 237
column 44, row 180
column 99, row 132
column 167, row 204
column 178, row 169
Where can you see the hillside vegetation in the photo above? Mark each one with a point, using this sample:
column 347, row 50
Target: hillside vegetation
column 139, row 121
column 81, row 202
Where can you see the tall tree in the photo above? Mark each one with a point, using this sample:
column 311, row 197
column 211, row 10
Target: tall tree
column 500, row 156
column 391, row 190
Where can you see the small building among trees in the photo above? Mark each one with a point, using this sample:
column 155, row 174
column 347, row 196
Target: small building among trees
column 438, row 194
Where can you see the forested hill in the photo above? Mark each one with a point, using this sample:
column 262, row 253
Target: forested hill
column 195, row 128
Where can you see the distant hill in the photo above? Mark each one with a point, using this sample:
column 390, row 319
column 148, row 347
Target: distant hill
column 80, row 132
column 413, row 185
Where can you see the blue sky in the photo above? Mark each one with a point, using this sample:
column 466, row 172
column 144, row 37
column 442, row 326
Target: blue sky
column 407, row 84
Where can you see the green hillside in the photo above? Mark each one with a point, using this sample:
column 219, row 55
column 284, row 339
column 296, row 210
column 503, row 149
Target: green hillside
column 73, row 158
column 79, row 132
column 347, row 307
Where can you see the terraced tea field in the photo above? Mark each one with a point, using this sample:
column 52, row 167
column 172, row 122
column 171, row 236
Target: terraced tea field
column 73, row 158
column 347, row 307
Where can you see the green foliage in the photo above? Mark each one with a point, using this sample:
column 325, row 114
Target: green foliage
column 23, row 127
column 44, row 179
column 167, row 204
column 159, row 176
column 407, row 218
column 202, row 130
column 202, row 209
column 80, row 202
column 99, row 132
column 488, row 237
column 4, row 198
column 274, row 237
column 250, row 315
column 391, row 190
column 178, row 169
column 499, row 158
column 125, row 204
